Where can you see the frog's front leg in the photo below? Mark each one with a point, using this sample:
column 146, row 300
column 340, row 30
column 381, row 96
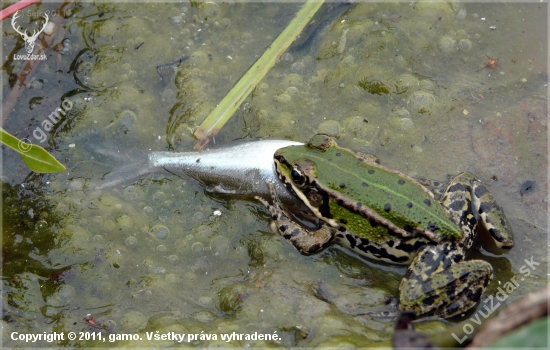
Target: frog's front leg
column 307, row 242
column 436, row 285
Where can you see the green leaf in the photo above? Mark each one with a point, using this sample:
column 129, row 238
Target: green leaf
column 36, row 157
column 532, row 336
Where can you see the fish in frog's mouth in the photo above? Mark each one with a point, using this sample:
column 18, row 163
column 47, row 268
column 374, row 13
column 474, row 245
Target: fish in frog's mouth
column 241, row 169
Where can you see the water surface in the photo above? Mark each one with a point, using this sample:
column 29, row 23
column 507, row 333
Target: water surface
column 403, row 81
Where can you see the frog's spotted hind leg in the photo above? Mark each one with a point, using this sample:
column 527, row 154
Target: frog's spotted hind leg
column 307, row 242
column 465, row 191
column 438, row 283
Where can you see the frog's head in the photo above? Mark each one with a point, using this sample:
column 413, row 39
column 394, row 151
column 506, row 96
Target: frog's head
column 295, row 168
column 298, row 171
column 296, row 165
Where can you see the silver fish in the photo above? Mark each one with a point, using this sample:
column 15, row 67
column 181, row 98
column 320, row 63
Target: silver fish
column 240, row 170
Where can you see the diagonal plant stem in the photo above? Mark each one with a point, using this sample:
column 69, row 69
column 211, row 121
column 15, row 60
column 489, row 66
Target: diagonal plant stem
column 231, row 102
column 10, row 10
column 30, row 67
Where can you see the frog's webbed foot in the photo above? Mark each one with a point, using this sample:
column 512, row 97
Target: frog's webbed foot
column 307, row 242
column 437, row 285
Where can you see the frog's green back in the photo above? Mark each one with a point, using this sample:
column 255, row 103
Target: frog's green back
column 391, row 195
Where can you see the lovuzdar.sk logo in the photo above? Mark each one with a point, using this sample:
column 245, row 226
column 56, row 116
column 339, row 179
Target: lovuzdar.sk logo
column 29, row 39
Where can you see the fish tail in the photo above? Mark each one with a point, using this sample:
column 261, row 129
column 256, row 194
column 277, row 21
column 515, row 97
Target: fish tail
column 125, row 173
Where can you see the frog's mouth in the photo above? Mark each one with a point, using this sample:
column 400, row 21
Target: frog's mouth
column 297, row 178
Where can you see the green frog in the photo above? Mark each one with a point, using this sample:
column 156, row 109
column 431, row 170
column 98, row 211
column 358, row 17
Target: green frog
column 386, row 215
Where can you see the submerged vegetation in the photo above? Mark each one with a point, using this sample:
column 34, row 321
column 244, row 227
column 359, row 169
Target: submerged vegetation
column 161, row 254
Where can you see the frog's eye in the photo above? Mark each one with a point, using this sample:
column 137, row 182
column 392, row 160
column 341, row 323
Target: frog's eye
column 297, row 177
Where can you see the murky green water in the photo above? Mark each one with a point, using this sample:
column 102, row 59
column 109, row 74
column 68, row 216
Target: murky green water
column 403, row 81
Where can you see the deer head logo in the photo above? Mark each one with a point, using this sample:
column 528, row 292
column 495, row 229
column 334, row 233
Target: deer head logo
column 29, row 40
